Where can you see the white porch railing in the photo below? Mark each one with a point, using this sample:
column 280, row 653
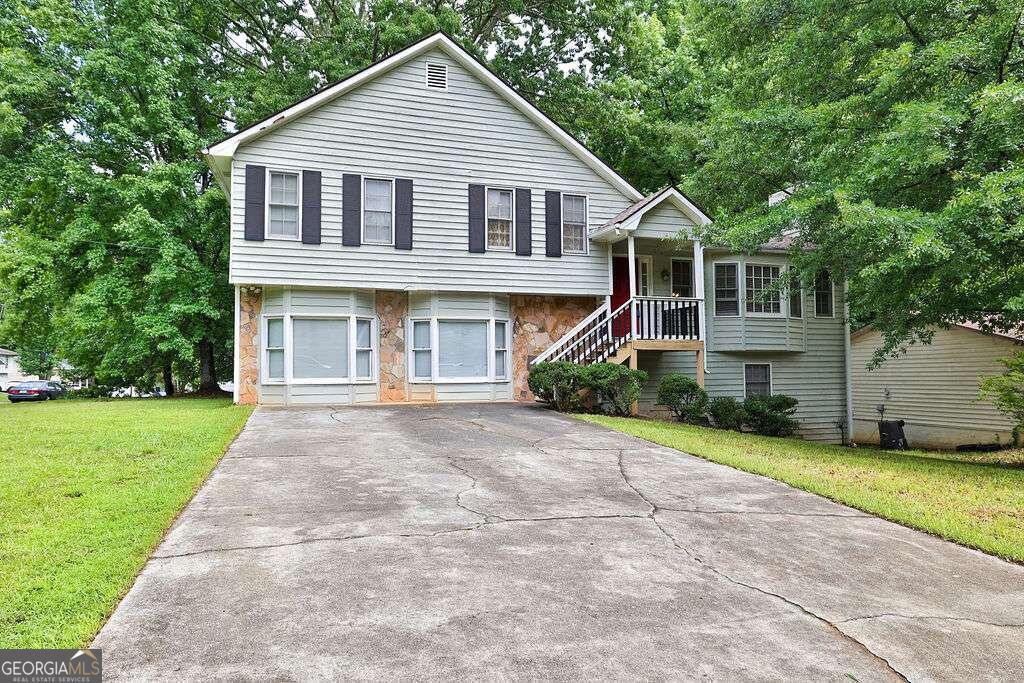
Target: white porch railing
column 603, row 332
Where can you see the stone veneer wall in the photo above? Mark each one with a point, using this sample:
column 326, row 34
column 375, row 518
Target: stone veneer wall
column 392, row 309
column 250, row 302
column 538, row 322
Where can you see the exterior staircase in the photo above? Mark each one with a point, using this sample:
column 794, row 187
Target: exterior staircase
column 641, row 323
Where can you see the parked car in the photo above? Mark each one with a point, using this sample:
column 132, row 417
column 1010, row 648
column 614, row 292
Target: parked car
column 35, row 391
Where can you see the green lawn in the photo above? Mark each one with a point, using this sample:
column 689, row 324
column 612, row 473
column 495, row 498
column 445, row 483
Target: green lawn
column 87, row 490
column 976, row 499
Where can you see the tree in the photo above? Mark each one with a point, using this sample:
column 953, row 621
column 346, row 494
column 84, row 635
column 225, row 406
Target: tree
column 1006, row 391
column 114, row 253
column 897, row 127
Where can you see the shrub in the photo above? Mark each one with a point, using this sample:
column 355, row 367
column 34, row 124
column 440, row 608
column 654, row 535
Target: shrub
column 615, row 385
column 95, row 391
column 1006, row 392
column 771, row 415
column 557, row 384
column 727, row 413
column 684, row 397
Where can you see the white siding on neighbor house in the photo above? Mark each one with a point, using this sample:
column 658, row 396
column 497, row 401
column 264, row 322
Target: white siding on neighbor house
column 457, row 305
column 934, row 388
column 281, row 301
column 394, row 126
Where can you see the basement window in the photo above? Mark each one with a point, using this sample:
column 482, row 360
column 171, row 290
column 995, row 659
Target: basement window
column 437, row 76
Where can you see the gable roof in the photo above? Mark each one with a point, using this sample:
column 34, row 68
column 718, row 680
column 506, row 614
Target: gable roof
column 629, row 218
column 219, row 155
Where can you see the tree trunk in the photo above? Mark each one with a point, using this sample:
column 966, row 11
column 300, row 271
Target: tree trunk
column 207, row 371
column 168, row 380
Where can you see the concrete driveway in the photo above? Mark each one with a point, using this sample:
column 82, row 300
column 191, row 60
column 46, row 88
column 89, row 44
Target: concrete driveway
column 501, row 541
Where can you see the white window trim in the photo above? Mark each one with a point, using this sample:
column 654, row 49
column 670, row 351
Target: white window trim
column 586, row 223
column 693, row 284
column 289, row 348
column 266, row 205
column 833, row 288
column 487, row 218
column 492, row 363
column 762, row 314
column 771, row 378
column 741, row 303
column 411, row 359
column 265, row 349
column 355, row 349
column 362, row 211
column 435, row 375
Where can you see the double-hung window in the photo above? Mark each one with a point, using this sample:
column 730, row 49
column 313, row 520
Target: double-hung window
column 682, row 277
column 378, row 211
column 274, row 358
column 763, row 295
column 500, row 349
column 727, row 302
column 824, row 299
column 499, row 219
column 422, row 350
column 574, row 224
column 757, row 379
column 364, row 348
column 454, row 350
column 284, row 205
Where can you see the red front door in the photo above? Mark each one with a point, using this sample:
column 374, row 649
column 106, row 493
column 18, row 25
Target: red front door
column 620, row 294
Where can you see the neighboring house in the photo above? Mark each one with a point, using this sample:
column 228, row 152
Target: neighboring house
column 933, row 388
column 10, row 371
column 420, row 232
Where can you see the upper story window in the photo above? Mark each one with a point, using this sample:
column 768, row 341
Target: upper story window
column 499, row 219
column 824, row 298
column 727, row 293
column 682, row 277
column 378, row 211
column 284, row 205
column 763, row 296
column 574, row 224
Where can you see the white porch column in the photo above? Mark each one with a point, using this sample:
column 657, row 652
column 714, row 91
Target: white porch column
column 631, row 252
column 698, row 285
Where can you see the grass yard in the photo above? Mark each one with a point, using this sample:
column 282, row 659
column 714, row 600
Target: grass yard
column 87, row 490
column 975, row 499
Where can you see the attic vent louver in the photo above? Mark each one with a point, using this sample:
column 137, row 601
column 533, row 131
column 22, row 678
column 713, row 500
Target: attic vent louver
column 437, row 76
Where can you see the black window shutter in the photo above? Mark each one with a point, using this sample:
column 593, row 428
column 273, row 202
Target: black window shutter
column 255, row 201
column 553, row 223
column 524, row 222
column 311, row 207
column 351, row 214
column 403, row 213
column 477, row 197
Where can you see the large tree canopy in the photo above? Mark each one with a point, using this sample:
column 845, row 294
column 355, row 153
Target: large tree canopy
column 896, row 126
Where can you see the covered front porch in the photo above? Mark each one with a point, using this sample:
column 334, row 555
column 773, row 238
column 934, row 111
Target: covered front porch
column 656, row 285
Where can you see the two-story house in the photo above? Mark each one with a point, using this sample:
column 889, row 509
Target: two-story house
column 421, row 232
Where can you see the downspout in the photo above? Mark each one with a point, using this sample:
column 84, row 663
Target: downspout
column 236, row 390
column 849, row 366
